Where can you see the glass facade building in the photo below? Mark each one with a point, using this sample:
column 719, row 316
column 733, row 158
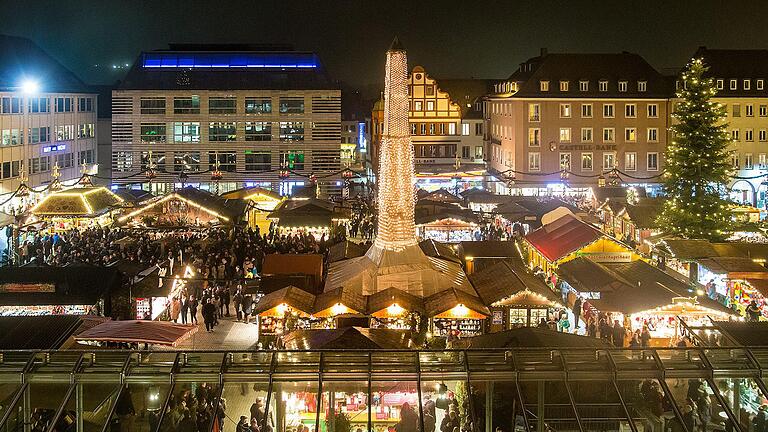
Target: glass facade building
column 408, row 391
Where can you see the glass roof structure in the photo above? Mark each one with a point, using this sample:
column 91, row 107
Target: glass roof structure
column 332, row 391
column 265, row 60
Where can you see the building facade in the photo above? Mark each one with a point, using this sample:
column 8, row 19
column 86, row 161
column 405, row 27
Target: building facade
column 591, row 116
column 446, row 129
column 251, row 112
column 740, row 77
column 47, row 118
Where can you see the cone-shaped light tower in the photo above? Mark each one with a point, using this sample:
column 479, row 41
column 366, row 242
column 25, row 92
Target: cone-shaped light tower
column 396, row 173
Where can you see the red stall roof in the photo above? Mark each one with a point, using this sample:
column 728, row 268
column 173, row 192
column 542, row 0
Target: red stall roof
column 563, row 236
column 151, row 332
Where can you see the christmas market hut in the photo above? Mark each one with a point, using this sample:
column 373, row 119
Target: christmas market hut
column 482, row 200
column 308, row 215
column 347, row 338
column 737, row 281
column 516, row 298
column 261, row 202
column 283, row 310
column 339, row 301
column 184, row 208
column 394, row 308
column 455, row 311
column 82, row 206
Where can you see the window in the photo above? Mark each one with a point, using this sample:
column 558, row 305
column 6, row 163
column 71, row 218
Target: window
column 258, row 160
column 607, row 110
column 417, row 105
column 121, row 161
column 652, row 160
column 642, row 86
column 465, row 129
column 534, row 137
column 736, row 110
column 565, row 135
column 11, row 169
column 442, row 128
column 653, row 135
column 258, row 131
column 291, row 105
column 222, row 131
column 85, row 104
column 291, row 131
column 586, row 135
column 152, row 105
column 762, row 136
column 622, row 86
column 65, row 133
column 565, row 110
column 478, row 152
column 429, row 90
column 292, row 159
column 186, row 132
column 586, row 110
column 12, row 105
column 465, row 152
column 40, row 165
column 563, row 86
column 630, row 110
column 227, row 160
column 451, row 128
column 38, row 105
column 86, row 156
column 630, row 134
column 734, row 84
column 586, row 161
column 749, row 110
column 748, row 163
column 748, row 135
column 431, row 128
column 39, row 135
column 630, row 161
column 735, row 160
column 11, row 137
column 186, row 161
column 222, row 105
column 153, row 132
column 762, row 110
column 719, row 84
column 565, row 161
column 478, row 129
column 534, row 161
column 65, row 160
column 534, row 113
column 609, row 135
column 186, row 105
column 653, row 110
column 544, row 86
column 258, row 105
column 430, row 105
column 609, row 161
column 158, row 159
column 761, row 159
column 747, row 84
column 603, row 86
column 85, row 130
column 735, row 135
column 759, row 84
column 583, row 86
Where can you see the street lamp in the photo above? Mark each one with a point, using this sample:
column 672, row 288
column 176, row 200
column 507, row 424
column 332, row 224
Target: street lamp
column 29, row 86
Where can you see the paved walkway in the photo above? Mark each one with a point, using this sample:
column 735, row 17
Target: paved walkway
column 228, row 335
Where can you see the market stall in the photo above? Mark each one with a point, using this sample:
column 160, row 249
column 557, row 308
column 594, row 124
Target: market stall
column 447, row 227
column 734, row 281
column 455, row 313
column 78, row 207
column 186, row 207
column 394, row 309
column 309, row 216
column 138, row 331
column 286, row 309
column 261, row 202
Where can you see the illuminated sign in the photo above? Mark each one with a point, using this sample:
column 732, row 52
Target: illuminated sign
column 609, row 257
column 361, row 137
column 27, row 288
column 60, row 147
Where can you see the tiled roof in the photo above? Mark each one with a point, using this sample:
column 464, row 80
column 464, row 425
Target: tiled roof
column 508, row 278
column 739, row 64
column 562, row 237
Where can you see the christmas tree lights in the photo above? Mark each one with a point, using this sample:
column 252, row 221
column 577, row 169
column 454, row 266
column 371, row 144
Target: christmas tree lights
column 396, row 197
column 697, row 161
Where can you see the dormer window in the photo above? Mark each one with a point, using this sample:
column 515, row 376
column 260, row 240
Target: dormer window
column 622, row 86
column 747, row 84
column 563, row 86
column 759, row 84
column 642, row 86
column 720, row 85
column 544, row 86
column 583, row 86
column 734, row 84
column 603, row 86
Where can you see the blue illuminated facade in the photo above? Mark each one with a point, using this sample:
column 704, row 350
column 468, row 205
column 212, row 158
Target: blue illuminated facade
column 266, row 60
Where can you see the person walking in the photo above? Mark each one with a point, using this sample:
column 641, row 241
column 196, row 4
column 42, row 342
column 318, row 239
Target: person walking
column 184, row 309
column 175, row 309
column 209, row 315
column 193, row 303
column 237, row 299
column 618, row 334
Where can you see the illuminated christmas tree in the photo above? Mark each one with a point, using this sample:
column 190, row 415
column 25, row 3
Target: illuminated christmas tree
column 697, row 161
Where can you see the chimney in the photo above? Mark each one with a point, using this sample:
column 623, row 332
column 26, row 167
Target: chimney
column 543, row 52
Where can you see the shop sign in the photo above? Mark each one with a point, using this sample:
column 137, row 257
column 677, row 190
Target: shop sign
column 498, row 317
column 610, row 257
column 605, row 147
column 27, row 288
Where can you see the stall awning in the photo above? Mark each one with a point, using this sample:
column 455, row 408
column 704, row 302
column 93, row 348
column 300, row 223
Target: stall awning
column 339, row 301
column 455, row 303
column 734, row 267
column 228, row 211
column 274, row 303
column 131, row 331
column 380, row 304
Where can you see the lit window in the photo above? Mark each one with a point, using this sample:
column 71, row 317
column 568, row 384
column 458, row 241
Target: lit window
column 291, row 131
column 630, row 134
column 534, row 161
column 465, row 129
column 534, row 113
column 563, row 86
column 630, row 161
column 565, row 135
column 586, row 161
column 583, row 86
column 544, row 86
column 609, row 161
column 534, row 137
column 565, row 161
column 259, row 105
column 186, row 132
column 565, row 110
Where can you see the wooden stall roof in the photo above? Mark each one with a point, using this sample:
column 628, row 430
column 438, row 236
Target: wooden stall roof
column 347, row 338
column 78, row 202
column 340, row 295
column 507, row 283
column 383, row 299
column 141, row 331
column 296, row 298
column 444, row 301
column 562, row 237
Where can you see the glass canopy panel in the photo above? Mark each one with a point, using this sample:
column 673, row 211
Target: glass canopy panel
column 445, row 403
column 394, row 404
column 192, row 406
column 13, row 362
column 496, row 404
column 55, row 362
column 7, row 393
column 586, row 360
column 138, row 407
column 345, row 406
column 104, row 362
column 685, row 359
column 634, row 360
column 538, row 360
column 297, row 361
column 743, row 396
column 761, row 356
column 441, row 361
column 201, row 362
column 346, row 361
column 152, row 363
column 250, row 362
column 96, row 401
column 489, row 361
column 649, row 407
column 698, row 404
column 44, row 401
column 729, row 359
column 548, row 402
column 393, row 362
column 296, row 406
column 599, row 406
column 246, row 405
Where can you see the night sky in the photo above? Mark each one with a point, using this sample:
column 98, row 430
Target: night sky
column 452, row 39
